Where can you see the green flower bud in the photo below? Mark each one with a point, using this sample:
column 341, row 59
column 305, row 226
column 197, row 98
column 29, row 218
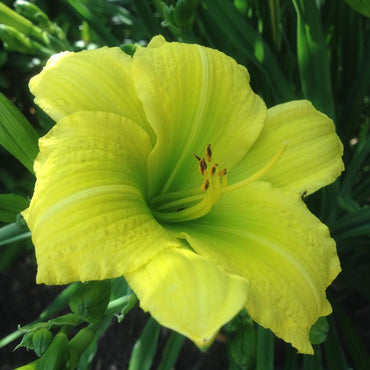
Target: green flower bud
column 79, row 343
column 243, row 346
column 129, row 48
column 185, row 12
column 41, row 340
column 32, row 12
column 238, row 321
column 10, row 18
column 57, row 355
column 26, row 341
column 16, row 41
column 36, row 15
column 319, row 331
column 90, row 301
column 181, row 15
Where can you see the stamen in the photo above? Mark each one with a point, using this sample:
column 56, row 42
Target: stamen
column 191, row 204
column 205, row 185
column 223, row 172
column 209, row 153
column 202, row 166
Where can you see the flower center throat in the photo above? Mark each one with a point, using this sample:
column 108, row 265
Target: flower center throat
column 192, row 204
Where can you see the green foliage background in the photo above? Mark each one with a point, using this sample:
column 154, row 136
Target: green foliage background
column 319, row 50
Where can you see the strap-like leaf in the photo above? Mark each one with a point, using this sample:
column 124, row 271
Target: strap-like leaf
column 312, row 57
column 17, row 135
column 10, row 205
column 144, row 350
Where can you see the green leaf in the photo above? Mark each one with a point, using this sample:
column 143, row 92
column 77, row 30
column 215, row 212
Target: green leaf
column 95, row 22
column 352, row 225
column 171, row 351
column 291, row 359
column 361, row 6
column 312, row 57
column 146, row 15
column 334, row 352
column 357, row 93
column 8, row 256
column 10, row 205
column 17, row 135
column 144, row 350
column 313, row 362
column 265, row 349
column 239, row 35
column 358, row 160
column 357, row 349
column 13, row 232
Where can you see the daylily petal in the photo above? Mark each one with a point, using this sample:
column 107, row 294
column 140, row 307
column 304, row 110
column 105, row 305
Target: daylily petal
column 187, row 293
column 269, row 236
column 88, row 216
column 313, row 155
column 90, row 80
column 194, row 96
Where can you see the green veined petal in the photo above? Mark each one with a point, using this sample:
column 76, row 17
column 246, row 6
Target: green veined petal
column 90, row 80
column 269, row 236
column 313, row 155
column 187, row 293
column 88, row 216
column 194, row 96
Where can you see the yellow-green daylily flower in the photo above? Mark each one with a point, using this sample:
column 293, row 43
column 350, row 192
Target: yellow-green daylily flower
column 198, row 238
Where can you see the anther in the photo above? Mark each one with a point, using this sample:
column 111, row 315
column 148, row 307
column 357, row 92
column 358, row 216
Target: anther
column 213, row 169
column 222, row 172
column 209, row 153
column 197, row 157
column 205, row 185
column 202, row 166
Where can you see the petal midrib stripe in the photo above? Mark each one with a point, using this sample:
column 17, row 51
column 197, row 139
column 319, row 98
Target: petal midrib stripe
column 197, row 117
column 288, row 257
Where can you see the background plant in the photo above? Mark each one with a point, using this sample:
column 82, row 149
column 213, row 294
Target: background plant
column 319, row 50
